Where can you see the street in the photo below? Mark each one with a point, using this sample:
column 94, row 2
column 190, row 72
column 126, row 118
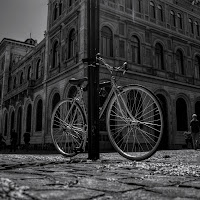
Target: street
column 170, row 174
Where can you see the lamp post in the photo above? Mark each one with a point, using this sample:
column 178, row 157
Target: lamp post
column 93, row 79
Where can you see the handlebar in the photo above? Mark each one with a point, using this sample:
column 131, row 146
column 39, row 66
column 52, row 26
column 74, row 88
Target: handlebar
column 124, row 67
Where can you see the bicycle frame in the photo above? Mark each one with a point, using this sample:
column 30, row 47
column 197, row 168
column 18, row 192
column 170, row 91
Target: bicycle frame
column 115, row 90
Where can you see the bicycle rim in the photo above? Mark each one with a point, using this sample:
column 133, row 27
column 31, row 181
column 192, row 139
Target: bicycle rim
column 68, row 127
column 135, row 129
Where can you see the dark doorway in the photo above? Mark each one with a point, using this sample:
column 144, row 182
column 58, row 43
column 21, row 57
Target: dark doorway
column 181, row 115
column 28, row 118
column 19, row 125
column 197, row 109
column 164, row 144
column 12, row 125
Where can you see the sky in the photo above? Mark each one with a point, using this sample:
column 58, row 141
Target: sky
column 20, row 18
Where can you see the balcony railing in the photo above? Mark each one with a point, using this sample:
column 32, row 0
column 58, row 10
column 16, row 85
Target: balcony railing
column 19, row 89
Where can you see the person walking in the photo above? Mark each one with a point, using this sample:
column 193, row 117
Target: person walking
column 195, row 128
column 27, row 140
column 13, row 140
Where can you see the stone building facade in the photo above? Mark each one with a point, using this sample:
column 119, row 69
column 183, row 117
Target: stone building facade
column 160, row 40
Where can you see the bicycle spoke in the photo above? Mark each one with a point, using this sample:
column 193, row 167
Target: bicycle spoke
column 135, row 123
column 70, row 122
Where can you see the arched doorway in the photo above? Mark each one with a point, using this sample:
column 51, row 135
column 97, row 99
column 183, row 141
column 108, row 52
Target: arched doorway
column 28, row 118
column 164, row 144
column 181, row 115
column 19, row 125
column 197, row 109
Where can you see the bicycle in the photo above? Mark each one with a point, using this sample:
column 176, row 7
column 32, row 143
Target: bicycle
column 134, row 119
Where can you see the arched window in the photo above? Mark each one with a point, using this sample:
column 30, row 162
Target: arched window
column 72, row 92
column 38, row 69
column 160, row 13
column 172, row 18
column 14, row 82
column 55, row 12
column 135, row 49
column 39, row 110
column 60, row 8
column 197, row 67
column 71, row 44
column 179, row 62
column 191, row 28
column 29, row 73
column 197, row 29
column 70, row 3
column 106, row 42
column 55, row 55
column 21, row 78
column 6, row 125
column 139, row 6
column 159, row 56
column 181, row 115
column 152, row 10
column 55, row 100
column 29, row 118
column 180, row 21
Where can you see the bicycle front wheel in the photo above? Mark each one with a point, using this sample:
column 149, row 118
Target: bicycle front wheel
column 135, row 122
column 68, row 127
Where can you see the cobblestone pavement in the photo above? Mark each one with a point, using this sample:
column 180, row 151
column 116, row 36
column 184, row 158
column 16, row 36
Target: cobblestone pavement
column 166, row 175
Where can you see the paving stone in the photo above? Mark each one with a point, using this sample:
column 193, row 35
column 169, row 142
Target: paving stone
column 110, row 177
column 16, row 175
column 143, row 195
column 177, row 192
column 194, row 184
column 34, row 183
column 155, row 180
column 72, row 194
column 92, row 173
column 102, row 185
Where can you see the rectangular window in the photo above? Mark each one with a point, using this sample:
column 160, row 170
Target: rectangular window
column 121, row 49
column 138, row 6
column 129, row 4
column 121, row 28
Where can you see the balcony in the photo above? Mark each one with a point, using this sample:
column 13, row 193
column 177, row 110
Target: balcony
column 26, row 86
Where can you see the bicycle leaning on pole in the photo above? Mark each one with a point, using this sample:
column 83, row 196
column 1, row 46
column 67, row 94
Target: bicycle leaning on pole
column 134, row 119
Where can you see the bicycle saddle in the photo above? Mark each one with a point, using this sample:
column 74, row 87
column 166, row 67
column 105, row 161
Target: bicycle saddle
column 78, row 82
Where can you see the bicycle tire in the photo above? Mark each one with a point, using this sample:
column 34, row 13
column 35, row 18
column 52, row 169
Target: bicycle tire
column 68, row 127
column 135, row 134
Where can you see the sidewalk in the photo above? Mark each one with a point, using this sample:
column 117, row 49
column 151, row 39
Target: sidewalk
column 166, row 175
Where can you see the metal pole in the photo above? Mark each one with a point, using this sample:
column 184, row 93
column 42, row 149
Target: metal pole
column 93, row 80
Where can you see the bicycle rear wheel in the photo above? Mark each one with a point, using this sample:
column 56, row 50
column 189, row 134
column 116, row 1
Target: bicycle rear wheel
column 68, row 127
column 135, row 123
